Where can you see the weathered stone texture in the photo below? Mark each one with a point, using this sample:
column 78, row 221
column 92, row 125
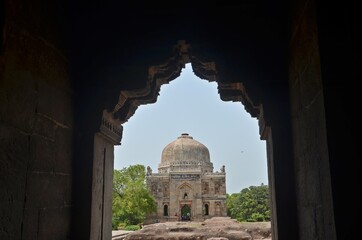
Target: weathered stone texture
column 36, row 121
column 30, row 228
column 45, row 190
column 14, row 149
column 308, row 121
column 54, row 223
column 216, row 228
column 55, row 105
column 50, row 155
column 101, row 218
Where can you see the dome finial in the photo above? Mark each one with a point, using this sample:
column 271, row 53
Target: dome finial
column 185, row 135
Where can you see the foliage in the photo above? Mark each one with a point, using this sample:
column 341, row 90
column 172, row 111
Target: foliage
column 122, row 226
column 232, row 207
column 132, row 228
column 131, row 198
column 251, row 204
column 116, row 223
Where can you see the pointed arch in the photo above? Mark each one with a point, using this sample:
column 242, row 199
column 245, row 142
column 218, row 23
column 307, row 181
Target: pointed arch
column 185, row 185
column 165, row 210
column 129, row 101
column 206, row 208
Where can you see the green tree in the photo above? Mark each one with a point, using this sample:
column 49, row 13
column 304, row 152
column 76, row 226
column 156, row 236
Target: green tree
column 131, row 198
column 251, row 204
column 233, row 209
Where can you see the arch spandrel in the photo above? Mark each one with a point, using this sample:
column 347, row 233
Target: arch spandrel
column 129, row 101
column 184, row 186
column 185, row 189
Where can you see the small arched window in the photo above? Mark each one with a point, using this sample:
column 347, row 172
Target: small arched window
column 217, row 209
column 185, row 196
column 165, row 210
column 206, row 209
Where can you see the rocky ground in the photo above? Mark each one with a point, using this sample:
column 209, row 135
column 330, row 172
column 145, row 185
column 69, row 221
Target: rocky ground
column 217, row 228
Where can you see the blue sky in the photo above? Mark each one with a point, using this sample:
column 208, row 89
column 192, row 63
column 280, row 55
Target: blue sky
column 192, row 105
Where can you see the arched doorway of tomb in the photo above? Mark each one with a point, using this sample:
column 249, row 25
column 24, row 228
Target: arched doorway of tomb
column 186, row 212
column 185, row 198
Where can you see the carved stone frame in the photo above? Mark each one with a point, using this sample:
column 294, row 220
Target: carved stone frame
column 128, row 102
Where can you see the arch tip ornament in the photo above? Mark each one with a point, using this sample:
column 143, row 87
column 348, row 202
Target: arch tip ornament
column 111, row 128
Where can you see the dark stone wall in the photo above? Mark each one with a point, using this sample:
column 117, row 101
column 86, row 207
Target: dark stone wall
column 312, row 172
column 36, row 124
column 63, row 63
column 340, row 51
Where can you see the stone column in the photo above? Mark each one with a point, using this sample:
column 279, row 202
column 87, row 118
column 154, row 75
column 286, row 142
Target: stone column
column 102, row 180
column 311, row 154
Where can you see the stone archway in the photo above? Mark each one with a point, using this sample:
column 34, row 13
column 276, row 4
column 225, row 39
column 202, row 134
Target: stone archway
column 128, row 102
column 186, row 212
column 309, row 141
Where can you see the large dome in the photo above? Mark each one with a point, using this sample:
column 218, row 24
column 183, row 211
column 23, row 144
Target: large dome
column 185, row 155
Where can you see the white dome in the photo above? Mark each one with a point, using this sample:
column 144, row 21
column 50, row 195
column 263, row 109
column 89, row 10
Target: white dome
column 185, row 154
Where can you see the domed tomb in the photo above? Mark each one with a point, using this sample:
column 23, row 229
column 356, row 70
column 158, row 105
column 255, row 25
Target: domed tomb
column 185, row 187
column 185, row 154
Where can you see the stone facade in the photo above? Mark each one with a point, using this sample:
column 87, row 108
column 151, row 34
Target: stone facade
column 185, row 187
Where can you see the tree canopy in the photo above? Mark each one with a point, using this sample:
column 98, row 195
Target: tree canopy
column 251, row 204
column 131, row 198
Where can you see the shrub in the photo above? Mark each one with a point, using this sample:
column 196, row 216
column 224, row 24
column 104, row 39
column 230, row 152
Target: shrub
column 115, row 223
column 250, row 220
column 122, row 226
column 257, row 217
column 132, row 228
